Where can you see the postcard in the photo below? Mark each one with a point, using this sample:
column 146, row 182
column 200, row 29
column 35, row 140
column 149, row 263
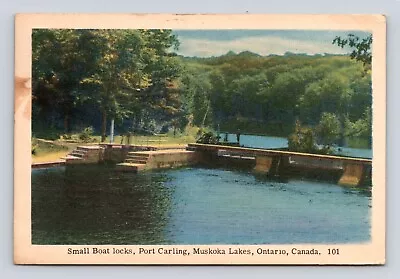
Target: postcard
column 200, row 139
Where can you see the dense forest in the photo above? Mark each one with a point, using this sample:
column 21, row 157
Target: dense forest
column 85, row 78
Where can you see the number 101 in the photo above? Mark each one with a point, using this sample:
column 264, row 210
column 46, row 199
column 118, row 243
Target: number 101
column 333, row 251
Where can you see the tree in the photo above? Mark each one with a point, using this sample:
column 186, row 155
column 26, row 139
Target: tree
column 58, row 65
column 328, row 129
column 85, row 77
column 302, row 139
column 362, row 127
column 305, row 139
column 118, row 73
column 361, row 47
column 196, row 90
column 134, row 72
column 331, row 94
column 161, row 99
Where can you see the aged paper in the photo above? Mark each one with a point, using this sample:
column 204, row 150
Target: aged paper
column 191, row 229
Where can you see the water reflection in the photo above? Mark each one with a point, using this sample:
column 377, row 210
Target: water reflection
column 96, row 205
column 230, row 207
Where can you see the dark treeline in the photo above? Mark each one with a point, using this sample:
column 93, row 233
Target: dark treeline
column 87, row 77
column 266, row 95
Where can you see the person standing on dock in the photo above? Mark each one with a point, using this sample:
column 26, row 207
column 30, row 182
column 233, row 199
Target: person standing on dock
column 226, row 137
column 238, row 136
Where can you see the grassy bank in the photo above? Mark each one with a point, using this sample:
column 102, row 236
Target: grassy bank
column 47, row 150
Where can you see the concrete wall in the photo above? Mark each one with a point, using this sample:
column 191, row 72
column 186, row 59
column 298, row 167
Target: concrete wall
column 116, row 154
column 89, row 156
column 317, row 163
column 353, row 175
column 173, row 159
column 263, row 164
column 93, row 156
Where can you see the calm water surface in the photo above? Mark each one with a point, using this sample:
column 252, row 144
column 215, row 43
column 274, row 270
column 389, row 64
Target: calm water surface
column 97, row 205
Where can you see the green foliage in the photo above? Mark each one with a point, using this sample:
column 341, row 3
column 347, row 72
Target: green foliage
column 362, row 128
column 118, row 73
column 196, row 93
column 88, row 77
column 264, row 95
column 306, row 139
column 328, row 129
column 207, row 138
column 48, row 133
column 66, row 137
column 34, row 148
column 361, row 47
column 86, row 135
column 302, row 139
column 41, row 146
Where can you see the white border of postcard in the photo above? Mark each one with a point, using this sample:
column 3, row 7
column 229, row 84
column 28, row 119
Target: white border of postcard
column 372, row 252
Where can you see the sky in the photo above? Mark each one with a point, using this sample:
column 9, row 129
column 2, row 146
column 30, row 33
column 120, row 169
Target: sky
column 206, row 43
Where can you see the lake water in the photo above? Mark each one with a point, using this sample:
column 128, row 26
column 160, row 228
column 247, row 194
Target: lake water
column 278, row 142
column 97, row 205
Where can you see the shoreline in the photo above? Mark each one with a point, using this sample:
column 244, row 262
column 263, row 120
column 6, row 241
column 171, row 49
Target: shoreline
column 39, row 165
